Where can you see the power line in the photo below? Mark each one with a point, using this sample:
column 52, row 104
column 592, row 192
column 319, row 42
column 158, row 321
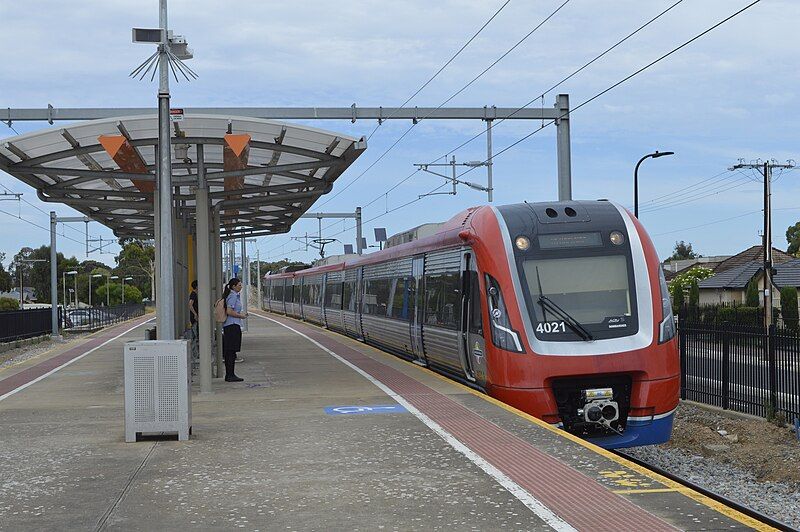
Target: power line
column 736, row 184
column 37, row 225
column 620, row 82
column 750, row 213
column 36, row 207
column 463, row 47
column 459, row 91
column 680, row 195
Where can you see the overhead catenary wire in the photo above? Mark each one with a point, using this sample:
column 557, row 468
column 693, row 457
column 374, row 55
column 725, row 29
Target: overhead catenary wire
column 447, row 63
column 37, row 225
column 611, row 87
column 459, row 91
column 693, row 190
column 620, row 82
column 553, row 87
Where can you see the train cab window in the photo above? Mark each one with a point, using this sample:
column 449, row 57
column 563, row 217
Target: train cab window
column 443, row 300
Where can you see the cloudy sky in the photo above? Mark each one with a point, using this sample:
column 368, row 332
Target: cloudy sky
column 731, row 94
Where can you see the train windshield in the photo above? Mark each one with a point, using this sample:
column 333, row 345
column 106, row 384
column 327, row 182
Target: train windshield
column 593, row 291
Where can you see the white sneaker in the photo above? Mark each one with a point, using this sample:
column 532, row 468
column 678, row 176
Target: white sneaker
column 239, row 359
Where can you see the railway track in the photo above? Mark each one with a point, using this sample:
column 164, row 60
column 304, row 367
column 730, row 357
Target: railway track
column 767, row 520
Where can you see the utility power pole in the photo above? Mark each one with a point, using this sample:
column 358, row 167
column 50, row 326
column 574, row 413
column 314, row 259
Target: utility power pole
column 765, row 168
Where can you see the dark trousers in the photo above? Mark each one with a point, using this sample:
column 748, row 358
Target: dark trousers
column 231, row 343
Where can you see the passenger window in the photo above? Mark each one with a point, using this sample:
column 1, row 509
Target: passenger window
column 400, row 292
column 376, row 297
column 443, row 300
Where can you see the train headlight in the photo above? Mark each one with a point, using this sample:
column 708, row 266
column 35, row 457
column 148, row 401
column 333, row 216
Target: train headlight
column 503, row 334
column 666, row 330
column 523, row 243
column 617, row 238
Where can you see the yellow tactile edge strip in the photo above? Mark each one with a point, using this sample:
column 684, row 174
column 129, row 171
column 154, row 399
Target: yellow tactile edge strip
column 671, row 485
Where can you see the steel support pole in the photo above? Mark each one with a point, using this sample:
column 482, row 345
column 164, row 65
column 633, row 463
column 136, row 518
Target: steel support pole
column 359, row 246
column 204, row 279
column 165, row 302
column 260, row 298
column 219, row 281
column 489, row 160
column 563, row 148
column 245, row 280
column 53, row 279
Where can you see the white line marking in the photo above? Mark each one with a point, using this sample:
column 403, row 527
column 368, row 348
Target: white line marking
column 65, row 364
column 535, row 505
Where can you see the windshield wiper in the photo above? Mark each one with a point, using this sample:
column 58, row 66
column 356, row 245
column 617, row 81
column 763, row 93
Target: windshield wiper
column 573, row 324
column 546, row 303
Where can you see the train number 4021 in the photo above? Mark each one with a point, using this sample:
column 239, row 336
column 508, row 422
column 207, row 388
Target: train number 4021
column 549, row 327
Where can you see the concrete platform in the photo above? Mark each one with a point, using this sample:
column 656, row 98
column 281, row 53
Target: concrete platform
column 296, row 447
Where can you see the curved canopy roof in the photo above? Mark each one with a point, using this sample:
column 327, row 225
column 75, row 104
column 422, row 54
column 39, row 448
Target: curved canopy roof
column 262, row 174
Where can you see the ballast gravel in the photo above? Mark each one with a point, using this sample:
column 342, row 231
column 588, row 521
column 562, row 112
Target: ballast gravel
column 704, row 452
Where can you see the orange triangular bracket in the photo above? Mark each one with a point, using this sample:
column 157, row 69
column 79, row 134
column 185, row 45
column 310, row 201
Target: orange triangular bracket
column 237, row 143
column 111, row 143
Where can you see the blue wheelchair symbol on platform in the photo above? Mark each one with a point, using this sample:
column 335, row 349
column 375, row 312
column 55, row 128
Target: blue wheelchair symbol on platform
column 374, row 409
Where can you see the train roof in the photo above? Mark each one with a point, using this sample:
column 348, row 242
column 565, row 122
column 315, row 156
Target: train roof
column 446, row 236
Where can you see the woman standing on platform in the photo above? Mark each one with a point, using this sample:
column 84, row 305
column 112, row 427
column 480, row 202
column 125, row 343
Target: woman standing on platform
column 232, row 328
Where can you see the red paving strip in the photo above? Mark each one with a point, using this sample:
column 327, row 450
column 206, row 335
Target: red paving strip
column 27, row 375
column 578, row 499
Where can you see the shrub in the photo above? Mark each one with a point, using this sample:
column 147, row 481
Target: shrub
column 789, row 307
column 677, row 301
column 8, row 303
column 751, row 294
column 741, row 315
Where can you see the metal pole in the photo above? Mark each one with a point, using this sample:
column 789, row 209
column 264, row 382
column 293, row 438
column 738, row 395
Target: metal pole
column 90, row 288
column 767, row 246
column 563, row 148
column 218, row 254
column 166, row 302
column 258, row 278
column 123, row 290
column 76, row 290
column 358, row 231
column 64, row 288
column 636, row 186
column 489, row 160
column 453, row 166
column 108, row 290
column 204, row 279
column 245, row 281
column 53, row 278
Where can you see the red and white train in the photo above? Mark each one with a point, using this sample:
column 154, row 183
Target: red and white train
column 558, row 308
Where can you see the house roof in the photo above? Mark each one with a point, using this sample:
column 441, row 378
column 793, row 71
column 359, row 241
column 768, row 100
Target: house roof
column 787, row 274
column 736, row 277
column 752, row 254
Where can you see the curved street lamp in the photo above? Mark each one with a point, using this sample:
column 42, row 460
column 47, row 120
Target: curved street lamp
column 654, row 155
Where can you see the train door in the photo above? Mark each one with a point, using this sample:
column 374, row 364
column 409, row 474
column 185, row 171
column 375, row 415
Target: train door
column 358, row 295
column 323, row 316
column 472, row 346
column 418, row 294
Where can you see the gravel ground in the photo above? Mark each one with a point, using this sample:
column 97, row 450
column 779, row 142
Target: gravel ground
column 14, row 356
column 747, row 460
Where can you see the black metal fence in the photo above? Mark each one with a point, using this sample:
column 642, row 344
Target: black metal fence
column 746, row 368
column 91, row 318
column 21, row 324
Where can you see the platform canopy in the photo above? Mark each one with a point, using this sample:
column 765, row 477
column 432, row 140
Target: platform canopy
column 262, row 174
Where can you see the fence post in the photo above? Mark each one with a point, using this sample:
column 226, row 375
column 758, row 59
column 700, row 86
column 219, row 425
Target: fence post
column 726, row 367
column 682, row 346
column 773, row 373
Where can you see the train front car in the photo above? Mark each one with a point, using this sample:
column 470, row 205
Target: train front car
column 582, row 332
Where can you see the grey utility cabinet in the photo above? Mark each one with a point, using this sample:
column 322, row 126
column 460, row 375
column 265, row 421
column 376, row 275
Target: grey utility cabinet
column 157, row 389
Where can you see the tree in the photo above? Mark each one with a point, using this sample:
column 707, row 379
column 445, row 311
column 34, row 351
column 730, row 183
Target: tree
column 9, row 303
column 5, row 277
column 132, row 294
column 793, row 238
column 789, row 310
column 751, row 294
column 682, row 251
column 138, row 261
column 688, row 278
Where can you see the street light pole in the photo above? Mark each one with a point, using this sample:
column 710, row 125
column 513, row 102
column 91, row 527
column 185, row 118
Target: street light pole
column 108, row 289
column 654, row 155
